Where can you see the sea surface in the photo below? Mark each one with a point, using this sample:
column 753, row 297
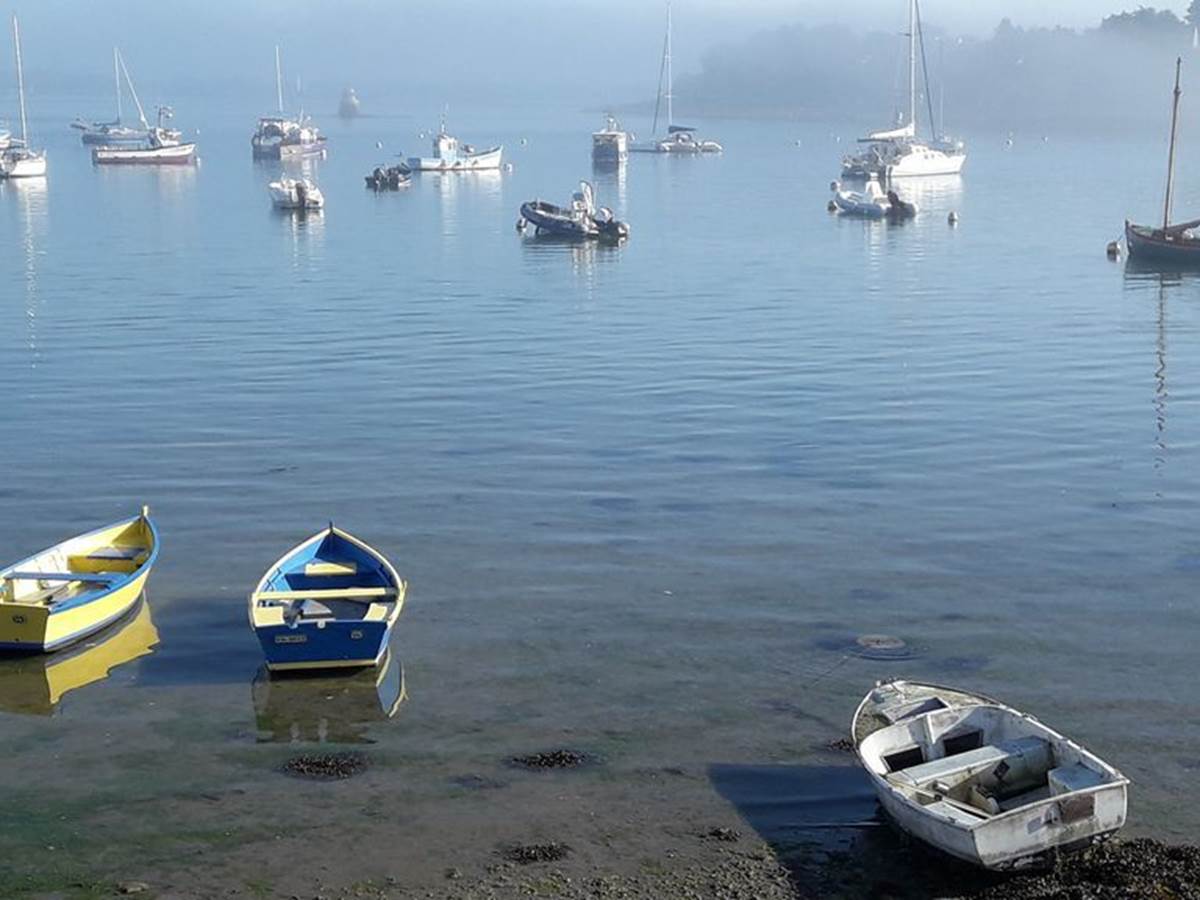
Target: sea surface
column 647, row 497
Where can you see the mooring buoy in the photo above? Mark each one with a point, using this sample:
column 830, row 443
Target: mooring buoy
column 952, row 219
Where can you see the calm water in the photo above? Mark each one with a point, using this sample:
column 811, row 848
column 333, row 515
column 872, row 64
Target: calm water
column 648, row 496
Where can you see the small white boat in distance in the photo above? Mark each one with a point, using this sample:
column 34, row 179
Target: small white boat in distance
column 295, row 193
column 980, row 780
column 872, row 203
column 610, row 145
column 451, row 156
column 17, row 159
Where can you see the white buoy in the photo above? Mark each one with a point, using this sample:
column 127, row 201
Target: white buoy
column 834, row 185
column 524, row 142
column 952, row 219
column 379, row 145
column 508, row 167
column 1113, row 249
column 799, row 143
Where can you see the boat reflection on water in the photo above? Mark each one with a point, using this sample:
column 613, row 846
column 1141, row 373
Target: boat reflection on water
column 34, row 685
column 324, row 707
column 30, row 196
column 610, row 181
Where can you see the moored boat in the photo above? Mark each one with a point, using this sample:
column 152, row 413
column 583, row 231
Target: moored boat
column 610, row 145
column 295, row 193
column 75, row 588
column 982, row 781
column 114, row 132
column 1177, row 244
column 580, row 220
column 872, row 202
column 18, row 159
column 163, row 147
column 389, row 178
column 451, row 156
column 284, row 137
column 329, row 602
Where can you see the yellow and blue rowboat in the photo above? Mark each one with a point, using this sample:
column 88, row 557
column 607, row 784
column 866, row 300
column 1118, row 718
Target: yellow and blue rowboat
column 75, row 588
column 330, row 602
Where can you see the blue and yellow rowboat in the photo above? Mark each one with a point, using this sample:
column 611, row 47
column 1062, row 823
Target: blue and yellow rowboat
column 330, row 602
column 75, row 588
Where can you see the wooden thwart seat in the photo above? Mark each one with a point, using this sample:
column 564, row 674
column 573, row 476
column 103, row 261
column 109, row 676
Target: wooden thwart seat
column 92, row 577
column 361, row 593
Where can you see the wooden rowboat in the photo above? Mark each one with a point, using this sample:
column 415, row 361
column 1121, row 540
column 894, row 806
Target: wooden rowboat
column 980, row 780
column 75, row 588
column 329, row 602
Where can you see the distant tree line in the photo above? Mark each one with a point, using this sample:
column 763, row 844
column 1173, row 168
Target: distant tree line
column 1111, row 76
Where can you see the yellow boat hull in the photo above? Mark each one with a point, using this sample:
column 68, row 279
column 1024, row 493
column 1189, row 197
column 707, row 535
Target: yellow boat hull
column 72, row 590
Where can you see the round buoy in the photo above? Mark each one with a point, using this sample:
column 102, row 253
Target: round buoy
column 1113, row 249
column 508, row 167
column 831, row 206
column 881, row 646
column 952, row 219
column 799, row 143
column 379, row 145
column 524, row 142
column 833, row 185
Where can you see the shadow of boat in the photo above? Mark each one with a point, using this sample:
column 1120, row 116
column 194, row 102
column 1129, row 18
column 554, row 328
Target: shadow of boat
column 34, row 684
column 320, row 707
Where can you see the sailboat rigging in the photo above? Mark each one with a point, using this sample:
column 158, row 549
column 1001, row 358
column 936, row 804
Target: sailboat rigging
column 19, row 160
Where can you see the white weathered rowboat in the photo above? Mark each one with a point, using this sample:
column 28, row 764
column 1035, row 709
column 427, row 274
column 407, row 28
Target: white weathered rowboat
column 980, row 780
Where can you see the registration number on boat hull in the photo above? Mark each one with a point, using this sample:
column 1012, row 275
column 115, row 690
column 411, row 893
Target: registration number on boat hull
column 291, row 638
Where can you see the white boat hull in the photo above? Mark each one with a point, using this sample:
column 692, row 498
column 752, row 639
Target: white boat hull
column 23, row 166
column 982, row 781
column 284, row 195
column 181, row 154
column 927, row 162
column 467, row 162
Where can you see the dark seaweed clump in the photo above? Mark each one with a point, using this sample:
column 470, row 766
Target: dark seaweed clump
column 526, row 854
column 727, row 835
column 326, row 765
column 552, row 759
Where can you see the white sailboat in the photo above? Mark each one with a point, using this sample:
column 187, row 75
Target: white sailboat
column 899, row 152
column 19, row 160
column 680, row 139
column 282, row 137
column 161, row 145
column 114, row 132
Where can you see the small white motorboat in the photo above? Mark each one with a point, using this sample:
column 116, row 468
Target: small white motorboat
column 295, row 193
column 873, row 202
column 610, row 145
column 451, row 156
column 982, row 781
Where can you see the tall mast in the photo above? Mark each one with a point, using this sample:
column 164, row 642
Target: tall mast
column 670, row 97
column 1170, row 154
column 912, row 64
column 117, row 82
column 278, row 82
column 133, row 93
column 20, row 82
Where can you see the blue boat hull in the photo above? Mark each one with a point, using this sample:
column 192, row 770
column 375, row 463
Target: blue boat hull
column 339, row 644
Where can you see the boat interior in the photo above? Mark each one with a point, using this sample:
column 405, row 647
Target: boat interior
column 975, row 762
column 89, row 564
column 328, row 579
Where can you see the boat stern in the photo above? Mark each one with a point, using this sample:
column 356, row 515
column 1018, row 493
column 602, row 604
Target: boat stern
column 22, row 626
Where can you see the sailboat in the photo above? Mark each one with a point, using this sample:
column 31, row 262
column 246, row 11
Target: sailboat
column 1170, row 243
column 899, row 152
column 282, row 137
column 680, row 138
column 114, row 132
column 160, row 145
column 19, row 161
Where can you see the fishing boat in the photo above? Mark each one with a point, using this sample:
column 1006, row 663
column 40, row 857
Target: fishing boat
column 19, row 160
column 348, row 106
column 295, row 194
column 389, row 178
column 284, row 137
column 899, row 152
column 114, row 132
column 1172, row 244
column 34, row 685
column 982, row 781
column 326, row 707
column 873, row 202
column 610, row 145
column 329, row 602
column 75, row 588
column 451, row 156
column 163, row 147
column 680, row 139
column 580, row 220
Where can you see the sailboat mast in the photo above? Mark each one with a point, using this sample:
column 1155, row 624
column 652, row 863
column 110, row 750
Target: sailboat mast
column 20, row 82
column 670, row 89
column 117, row 82
column 133, row 93
column 912, row 64
column 1170, row 154
column 278, row 82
